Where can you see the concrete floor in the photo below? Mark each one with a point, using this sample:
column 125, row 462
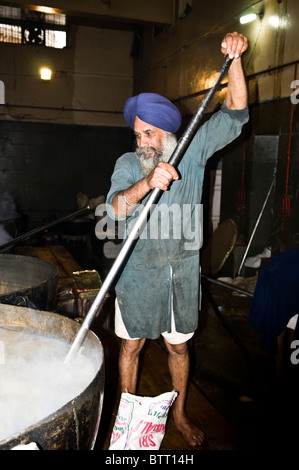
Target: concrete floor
column 232, row 371
column 232, row 382
column 153, row 380
column 233, row 385
column 236, row 377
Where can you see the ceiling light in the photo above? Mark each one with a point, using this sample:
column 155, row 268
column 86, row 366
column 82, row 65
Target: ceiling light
column 248, row 18
column 45, row 73
column 46, row 10
column 252, row 13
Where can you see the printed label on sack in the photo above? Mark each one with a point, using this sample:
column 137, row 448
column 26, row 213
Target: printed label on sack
column 141, row 421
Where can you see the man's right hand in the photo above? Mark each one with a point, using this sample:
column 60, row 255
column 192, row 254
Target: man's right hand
column 161, row 176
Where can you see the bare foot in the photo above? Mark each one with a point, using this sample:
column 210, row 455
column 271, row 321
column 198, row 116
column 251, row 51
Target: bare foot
column 192, row 435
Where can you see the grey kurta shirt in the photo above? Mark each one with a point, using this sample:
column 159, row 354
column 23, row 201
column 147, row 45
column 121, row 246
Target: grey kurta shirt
column 162, row 272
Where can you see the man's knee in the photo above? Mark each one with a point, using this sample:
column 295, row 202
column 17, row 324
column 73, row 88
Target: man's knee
column 177, row 349
column 132, row 347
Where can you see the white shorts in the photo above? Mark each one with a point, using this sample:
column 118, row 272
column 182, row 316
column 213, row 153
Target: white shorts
column 172, row 338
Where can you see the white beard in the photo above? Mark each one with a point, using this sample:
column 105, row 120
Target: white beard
column 149, row 163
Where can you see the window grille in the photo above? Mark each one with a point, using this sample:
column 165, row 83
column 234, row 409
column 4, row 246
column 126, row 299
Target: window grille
column 18, row 26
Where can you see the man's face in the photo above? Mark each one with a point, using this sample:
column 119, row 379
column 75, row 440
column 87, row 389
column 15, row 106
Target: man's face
column 153, row 145
column 148, row 138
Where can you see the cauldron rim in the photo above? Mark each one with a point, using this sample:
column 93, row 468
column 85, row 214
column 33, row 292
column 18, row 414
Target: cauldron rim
column 34, row 261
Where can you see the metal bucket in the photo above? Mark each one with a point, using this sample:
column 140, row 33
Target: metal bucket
column 75, row 425
column 28, row 282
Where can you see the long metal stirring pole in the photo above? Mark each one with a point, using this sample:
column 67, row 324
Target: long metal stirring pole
column 155, row 194
column 257, row 223
column 38, row 230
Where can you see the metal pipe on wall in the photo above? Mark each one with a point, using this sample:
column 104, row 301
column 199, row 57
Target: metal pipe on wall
column 248, row 77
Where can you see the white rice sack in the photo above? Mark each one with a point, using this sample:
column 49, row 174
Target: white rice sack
column 140, row 422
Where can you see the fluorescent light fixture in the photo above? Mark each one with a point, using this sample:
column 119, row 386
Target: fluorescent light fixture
column 45, row 73
column 252, row 13
column 248, row 18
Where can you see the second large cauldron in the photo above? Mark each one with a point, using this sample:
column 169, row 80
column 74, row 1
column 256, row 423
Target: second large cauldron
column 27, row 281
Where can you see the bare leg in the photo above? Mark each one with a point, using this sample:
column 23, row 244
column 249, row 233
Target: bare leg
column 128, row 364
column 178, row 361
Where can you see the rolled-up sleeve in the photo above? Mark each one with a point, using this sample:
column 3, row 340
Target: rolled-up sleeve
column 122, row 178
column 221, row 129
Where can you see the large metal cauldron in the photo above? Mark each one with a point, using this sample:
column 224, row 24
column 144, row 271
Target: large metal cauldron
column 28, row 282
column 75, row 425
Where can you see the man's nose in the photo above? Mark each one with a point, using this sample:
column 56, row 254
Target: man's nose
column 143, row 141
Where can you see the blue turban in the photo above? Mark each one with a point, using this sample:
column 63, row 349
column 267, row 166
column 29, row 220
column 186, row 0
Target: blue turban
column 153, row 109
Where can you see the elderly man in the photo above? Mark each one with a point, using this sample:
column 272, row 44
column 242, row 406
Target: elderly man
column 158, row 290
